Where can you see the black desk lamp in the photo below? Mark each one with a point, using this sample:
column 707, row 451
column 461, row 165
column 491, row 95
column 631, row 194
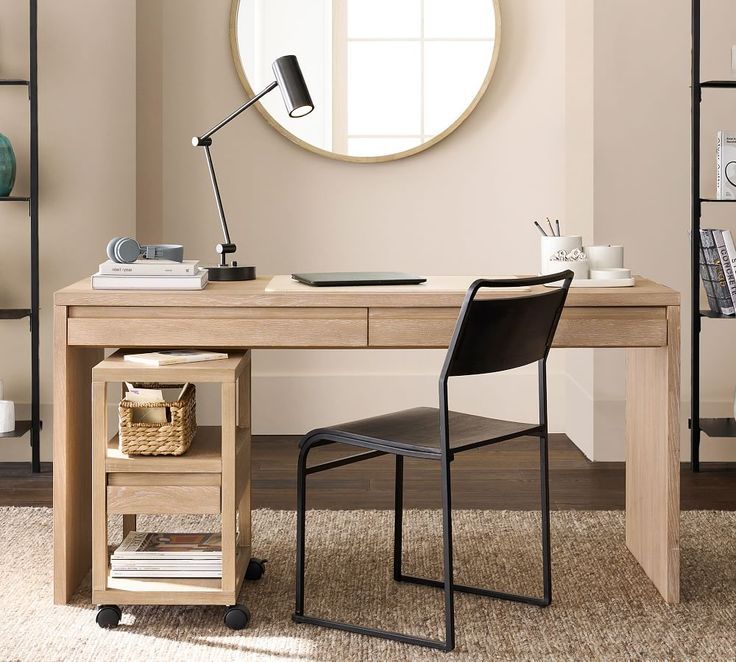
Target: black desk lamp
column 290, row 81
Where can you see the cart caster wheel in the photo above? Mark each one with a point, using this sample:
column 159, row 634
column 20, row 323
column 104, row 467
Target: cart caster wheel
column 237, row 617
column 108, row 616
column 256, row 569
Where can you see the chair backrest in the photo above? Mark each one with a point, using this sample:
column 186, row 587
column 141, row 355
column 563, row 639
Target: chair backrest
column 498, row 334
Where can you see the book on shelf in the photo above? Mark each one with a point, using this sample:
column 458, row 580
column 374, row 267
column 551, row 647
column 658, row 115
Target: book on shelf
column 148, row 554
column 726, row 263
column 152, row 574
column 198, row 281
column 726, row 166
column 150, row 268
column 731, row 250
column 148, row 545
column 174, row 356
column 713, row 272
column 705, row 277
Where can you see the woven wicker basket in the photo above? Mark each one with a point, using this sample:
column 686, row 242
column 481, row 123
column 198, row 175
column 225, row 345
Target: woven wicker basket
column 171, row 438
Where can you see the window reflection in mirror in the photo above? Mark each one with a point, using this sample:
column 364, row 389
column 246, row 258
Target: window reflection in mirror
column 386, row 76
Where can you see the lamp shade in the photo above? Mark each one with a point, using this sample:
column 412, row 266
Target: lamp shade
column 293, row 86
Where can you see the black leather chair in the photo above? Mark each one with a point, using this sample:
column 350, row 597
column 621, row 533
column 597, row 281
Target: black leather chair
column 491, row 335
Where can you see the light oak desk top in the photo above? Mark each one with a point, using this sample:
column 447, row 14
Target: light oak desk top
column 253, row 293
column 644, row 319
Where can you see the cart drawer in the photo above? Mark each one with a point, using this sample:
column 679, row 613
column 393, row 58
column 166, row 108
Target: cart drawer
column 163, row 499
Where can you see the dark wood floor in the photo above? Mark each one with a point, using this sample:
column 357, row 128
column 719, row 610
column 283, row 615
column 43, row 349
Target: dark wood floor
column 499, row 477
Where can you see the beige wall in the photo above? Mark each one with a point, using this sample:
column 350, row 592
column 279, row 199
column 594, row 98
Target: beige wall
column 87, row 166
column 594, row 94
column 463, row 206
column 641, row 188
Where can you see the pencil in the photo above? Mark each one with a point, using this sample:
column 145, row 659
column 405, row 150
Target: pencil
column 551, row 229
column 557, row 223
column 541, row 229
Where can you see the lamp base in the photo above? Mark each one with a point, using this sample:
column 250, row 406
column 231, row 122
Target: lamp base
column 231, row 273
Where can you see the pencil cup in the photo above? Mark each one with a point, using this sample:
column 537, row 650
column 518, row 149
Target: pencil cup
column 578, row 267
column 7, row 416
column 550, row 246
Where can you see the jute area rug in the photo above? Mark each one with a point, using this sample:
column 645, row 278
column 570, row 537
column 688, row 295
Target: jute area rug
column 604, row 607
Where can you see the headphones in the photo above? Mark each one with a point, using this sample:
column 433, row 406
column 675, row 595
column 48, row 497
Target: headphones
column 125, row 250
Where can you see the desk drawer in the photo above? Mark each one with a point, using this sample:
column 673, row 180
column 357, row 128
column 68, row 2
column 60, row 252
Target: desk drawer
column 218, row 327
column 579, row 327
column 164, row 494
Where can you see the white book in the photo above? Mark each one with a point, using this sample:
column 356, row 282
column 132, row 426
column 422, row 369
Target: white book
column 726, row 166
column 179, row 566
column 731, row 252
column 150, row 268
column 214, row 574
column 726, row 264
column 108, row 282
column 173, row 356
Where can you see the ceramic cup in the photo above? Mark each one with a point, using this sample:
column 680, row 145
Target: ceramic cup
column 605, row 257
column 7, row 416
column 550, row 245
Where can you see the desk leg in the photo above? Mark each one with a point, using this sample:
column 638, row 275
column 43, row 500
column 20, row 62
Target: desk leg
column 653, row 459
column 244, row 468
column 72, row 460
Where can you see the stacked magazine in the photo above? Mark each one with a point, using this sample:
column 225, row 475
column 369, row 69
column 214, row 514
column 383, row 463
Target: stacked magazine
column 718, row 270
column 150, row 275
column 144, row 554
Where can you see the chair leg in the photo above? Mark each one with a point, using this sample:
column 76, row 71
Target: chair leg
column 546, row 546
column 300, row 617
column 447, row 549
column 301, row 517
column 546, row 556
column 398, row 515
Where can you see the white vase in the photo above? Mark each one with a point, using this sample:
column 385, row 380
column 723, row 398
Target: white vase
column 7, row 416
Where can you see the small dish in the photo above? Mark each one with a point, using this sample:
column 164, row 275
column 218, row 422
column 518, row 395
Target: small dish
column 609, row 273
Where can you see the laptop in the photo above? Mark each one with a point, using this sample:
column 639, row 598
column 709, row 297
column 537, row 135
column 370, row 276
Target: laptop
column 348, row 278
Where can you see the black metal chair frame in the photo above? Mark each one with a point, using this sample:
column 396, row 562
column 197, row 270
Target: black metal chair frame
column 445, row 454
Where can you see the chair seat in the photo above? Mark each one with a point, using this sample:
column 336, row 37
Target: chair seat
column 418, row 430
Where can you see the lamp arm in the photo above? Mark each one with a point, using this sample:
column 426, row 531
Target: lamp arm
column 237, row 112
column 205, row 141
column 228, row 246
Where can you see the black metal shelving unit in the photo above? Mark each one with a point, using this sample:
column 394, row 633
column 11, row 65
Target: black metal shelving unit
column 32, row 426
column 713, row 427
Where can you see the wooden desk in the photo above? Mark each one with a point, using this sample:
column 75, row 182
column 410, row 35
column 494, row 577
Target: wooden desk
column 644, row 319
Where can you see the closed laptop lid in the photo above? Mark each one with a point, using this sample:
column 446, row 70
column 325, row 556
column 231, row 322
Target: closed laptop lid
column 346, row 278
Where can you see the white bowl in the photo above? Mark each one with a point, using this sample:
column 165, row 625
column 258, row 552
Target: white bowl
column 610, row 273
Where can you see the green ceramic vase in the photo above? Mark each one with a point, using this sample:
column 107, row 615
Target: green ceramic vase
column 7, row 166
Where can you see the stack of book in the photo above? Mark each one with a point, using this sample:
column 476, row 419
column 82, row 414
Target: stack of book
column 718, row 270
column 144, row 554
column 150, row 275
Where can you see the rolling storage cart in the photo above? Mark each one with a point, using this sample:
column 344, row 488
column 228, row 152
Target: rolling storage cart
column 212, row 477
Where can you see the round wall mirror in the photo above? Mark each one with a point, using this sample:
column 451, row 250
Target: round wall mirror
column 388, row 78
